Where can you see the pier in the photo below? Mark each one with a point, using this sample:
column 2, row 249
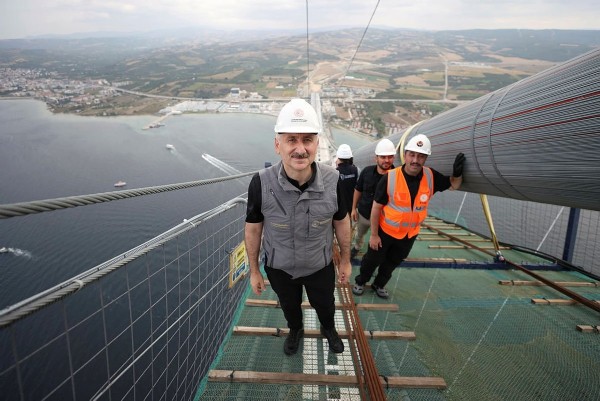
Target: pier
column 157, row 123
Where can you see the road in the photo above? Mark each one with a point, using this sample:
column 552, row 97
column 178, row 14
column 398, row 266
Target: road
column 278, row 99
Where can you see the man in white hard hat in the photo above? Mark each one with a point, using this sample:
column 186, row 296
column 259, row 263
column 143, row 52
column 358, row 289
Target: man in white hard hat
column 296, row 206
column 364, row 191
column 399, row 208
column 348, row 173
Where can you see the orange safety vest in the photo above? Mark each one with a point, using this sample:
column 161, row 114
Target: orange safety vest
column 397, row 218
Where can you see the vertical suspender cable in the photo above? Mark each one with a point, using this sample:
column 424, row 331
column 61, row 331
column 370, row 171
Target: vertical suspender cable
column 307, row 55
column 360, row 42
column 356, row 333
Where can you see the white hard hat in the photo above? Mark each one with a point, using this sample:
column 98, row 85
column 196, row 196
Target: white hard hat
column 297, row 117
column 385, row 147
column 420, row 144
column 344, row 152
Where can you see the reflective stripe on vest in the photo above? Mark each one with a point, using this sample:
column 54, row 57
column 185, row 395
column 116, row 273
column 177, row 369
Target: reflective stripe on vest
column 397, row 218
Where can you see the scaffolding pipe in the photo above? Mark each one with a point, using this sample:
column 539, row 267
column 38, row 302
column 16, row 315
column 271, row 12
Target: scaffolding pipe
column 488, row 217
column 536, row 140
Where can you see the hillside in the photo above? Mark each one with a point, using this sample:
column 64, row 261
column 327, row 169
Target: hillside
column 407, row 65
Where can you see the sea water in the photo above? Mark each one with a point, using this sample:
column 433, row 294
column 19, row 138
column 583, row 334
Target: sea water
column 45, row 156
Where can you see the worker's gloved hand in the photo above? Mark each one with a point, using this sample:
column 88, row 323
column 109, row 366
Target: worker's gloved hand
column 459, row 162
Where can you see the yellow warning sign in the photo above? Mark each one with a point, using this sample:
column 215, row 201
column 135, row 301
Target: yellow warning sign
column 238, row 264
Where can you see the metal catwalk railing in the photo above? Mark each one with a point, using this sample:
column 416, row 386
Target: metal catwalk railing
column 535, row 226
column 152, row 327
column 148, row 330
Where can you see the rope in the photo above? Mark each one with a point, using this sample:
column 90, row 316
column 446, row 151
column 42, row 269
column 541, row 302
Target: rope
column 360, row 42
column 17, row 311
column 26, row 208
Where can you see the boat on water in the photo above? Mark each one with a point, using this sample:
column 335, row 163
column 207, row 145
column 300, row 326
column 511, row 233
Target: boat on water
column 154, row 125
column 3, row 249
column 468, row 317
column 120, row 184
column 170, row 147
column 174, row 319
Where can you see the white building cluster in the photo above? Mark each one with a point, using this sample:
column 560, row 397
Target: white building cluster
column 41, row 84
column 210, row 106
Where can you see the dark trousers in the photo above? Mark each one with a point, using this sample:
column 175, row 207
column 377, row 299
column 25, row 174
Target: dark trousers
column 319, row 290
column 392, row 252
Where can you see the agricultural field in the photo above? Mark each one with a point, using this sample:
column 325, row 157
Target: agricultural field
column 407, row 69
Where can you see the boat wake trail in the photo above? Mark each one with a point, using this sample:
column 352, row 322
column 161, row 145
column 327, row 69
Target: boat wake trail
column 224, row 167
column 16, row 252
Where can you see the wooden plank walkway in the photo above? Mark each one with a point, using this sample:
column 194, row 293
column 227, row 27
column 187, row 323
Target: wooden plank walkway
column 557, row 301
column 539, row 283
column 237, row 376
column 306, row 305
column 313, row 333
column 588, row 328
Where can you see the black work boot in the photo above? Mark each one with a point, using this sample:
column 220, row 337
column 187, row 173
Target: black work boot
column 292, row 341
column 335, row 342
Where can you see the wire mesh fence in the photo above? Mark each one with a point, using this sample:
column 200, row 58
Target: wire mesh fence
column 152, row 328
column 148, row 330
column 537, row 226
column 486, row 340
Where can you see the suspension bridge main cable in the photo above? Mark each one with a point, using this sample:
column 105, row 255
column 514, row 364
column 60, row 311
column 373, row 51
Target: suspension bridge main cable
column 360, row 42
column 46, row 205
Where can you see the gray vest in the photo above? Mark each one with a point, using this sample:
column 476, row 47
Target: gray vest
column 298, row 226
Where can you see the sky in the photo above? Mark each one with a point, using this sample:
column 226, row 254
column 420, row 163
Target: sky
column 30, row 18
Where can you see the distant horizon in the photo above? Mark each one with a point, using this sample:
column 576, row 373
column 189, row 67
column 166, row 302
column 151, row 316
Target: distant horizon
column 29, row 19
column 291, row 31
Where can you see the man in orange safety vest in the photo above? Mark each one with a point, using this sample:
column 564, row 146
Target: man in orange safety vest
column 399, row 208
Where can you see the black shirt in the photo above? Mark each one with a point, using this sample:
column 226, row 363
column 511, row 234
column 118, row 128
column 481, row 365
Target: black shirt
column 366, row 185
column 441, row 183
column 254, row 212
column 348, row 178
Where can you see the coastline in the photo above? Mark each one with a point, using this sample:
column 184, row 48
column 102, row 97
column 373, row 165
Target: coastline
column 353, row 132
column 135, row 110
column 20, row 98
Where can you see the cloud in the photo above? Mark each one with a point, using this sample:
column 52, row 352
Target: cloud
column 33, row 17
